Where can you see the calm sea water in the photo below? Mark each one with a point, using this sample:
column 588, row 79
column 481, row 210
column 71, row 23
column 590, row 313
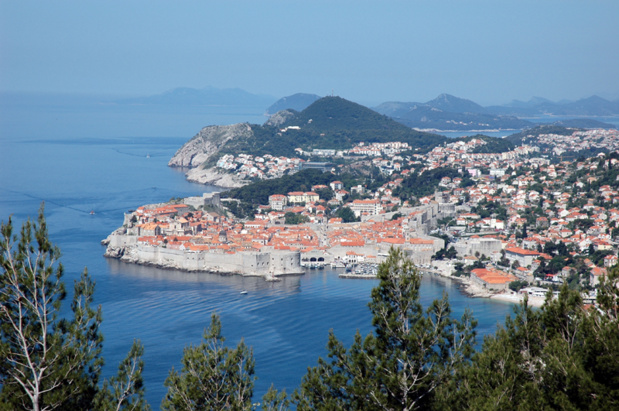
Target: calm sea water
column 613, row 120
column 286, row 323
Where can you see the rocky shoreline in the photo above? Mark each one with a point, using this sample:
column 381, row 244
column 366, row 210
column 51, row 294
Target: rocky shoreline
column 470, row 289
column 203, row 148
column 213, row 177
column 268, row 278
column 126, row 247
column 358, row 276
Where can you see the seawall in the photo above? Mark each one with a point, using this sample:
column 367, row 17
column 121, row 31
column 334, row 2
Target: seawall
column 250, row 263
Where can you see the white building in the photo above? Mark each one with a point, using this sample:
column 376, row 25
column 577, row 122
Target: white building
column 278, row 201
column 369, row 207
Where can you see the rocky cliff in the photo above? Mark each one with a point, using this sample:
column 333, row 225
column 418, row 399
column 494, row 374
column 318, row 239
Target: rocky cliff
column 213, row 176
column 280, row 118
column 207, row 143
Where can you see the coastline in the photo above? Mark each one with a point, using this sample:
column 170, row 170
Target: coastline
column 358, row 276
column 472, row 290
column 268, row 264
column 212, row 177
column 494, row 130
column 268, row 278
column 517, row 298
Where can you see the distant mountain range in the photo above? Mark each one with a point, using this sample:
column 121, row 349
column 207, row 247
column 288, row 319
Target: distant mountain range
column 450, row 113
column 297, row 102
column 447, row 112
column 444, row 113
column 592, row 106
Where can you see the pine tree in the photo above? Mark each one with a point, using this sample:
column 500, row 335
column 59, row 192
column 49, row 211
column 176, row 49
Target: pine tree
column 562, row 356
column 125, row 391
column 401, row 364
column 213, row 377
column 46, row 362
column 274, row 400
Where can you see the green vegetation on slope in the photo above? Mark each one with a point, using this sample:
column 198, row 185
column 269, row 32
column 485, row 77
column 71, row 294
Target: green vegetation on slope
column 562, row 356
column 332, row 123
column 426, row 183
column 493, row 144
column 519, row 138
column 259, row 192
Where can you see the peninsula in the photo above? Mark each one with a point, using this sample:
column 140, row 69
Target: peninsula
column 336, row 185
column 196, row 234
column 186, row 236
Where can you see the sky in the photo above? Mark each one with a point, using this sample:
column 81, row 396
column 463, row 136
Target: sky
column 488, row 51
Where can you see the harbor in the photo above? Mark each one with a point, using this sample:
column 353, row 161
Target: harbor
column 362, row 271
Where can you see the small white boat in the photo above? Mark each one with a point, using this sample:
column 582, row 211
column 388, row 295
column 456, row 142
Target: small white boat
column 244, row 292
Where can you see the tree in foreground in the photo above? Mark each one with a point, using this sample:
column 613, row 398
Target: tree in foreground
column 125, row 391
column 399, row 366
column 562, row 356
column 213, row 377
column 275, row 400
column 46, row 362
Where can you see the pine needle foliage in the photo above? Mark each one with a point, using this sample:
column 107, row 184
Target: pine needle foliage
column 46, row 362
column 400, row 365
column 213, row 376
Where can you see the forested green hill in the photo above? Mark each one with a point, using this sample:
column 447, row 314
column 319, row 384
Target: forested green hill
column 329, row 123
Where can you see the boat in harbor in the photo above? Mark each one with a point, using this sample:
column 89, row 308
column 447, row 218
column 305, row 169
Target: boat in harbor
column 361, row 271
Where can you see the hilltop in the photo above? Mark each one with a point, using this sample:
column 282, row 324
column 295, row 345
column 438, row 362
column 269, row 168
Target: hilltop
column 333, row 122
column 297, row 102
column 448, row 112
column 328, row 123
column 537, row 106
column 207, row 96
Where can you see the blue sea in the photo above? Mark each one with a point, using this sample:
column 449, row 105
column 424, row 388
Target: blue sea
column 612, row 120
column 86, row 161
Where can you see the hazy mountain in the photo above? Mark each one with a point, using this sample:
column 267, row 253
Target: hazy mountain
column 297, row 102
column 447, row 112
column 591, row 106
column 583, row 123
column 447, row 102
column 209, row 96
column 533, row 102
column 336, row 113
column 328, row 123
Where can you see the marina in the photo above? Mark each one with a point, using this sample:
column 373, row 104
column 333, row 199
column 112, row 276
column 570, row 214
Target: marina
column 362, row 271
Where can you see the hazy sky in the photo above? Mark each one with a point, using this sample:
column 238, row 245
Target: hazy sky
column 490, row 51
